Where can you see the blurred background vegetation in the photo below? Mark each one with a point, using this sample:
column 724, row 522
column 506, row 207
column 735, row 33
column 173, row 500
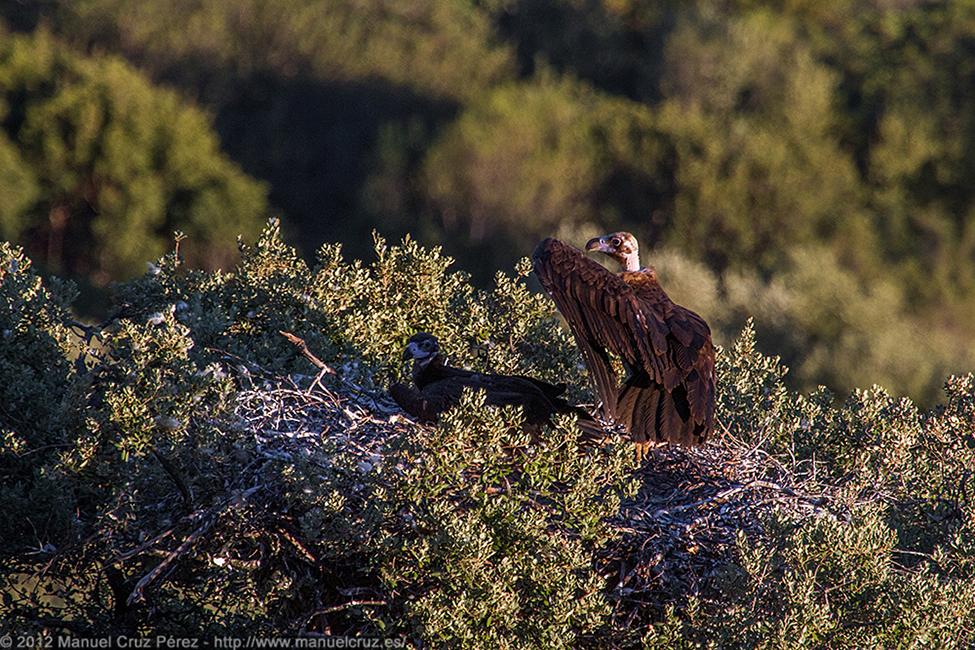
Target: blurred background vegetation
column 807, row 163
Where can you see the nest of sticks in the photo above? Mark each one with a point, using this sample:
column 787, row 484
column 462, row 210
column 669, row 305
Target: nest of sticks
column 677, row 538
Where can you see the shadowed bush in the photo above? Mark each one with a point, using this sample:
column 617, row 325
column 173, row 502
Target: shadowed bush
column 199, row 483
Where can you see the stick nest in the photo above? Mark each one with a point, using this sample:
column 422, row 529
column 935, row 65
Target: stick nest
column 676, row 538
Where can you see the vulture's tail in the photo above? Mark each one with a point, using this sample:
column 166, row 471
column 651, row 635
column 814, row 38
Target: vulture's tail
column 653, row 415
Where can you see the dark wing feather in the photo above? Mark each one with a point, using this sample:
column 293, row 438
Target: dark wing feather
column 440, row 387
column 552, row 391
column 630, row 315
column 692, row 353
column 569, row 283
column 514, row 390
column 416, row 403
column 608, row 309
column 651, row 414
column 605, row 313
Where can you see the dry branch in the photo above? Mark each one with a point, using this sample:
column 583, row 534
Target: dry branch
column 299, row 343
column 209, row 519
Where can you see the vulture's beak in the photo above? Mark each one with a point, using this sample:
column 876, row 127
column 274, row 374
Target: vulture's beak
column 408, row 352
column 597, row 244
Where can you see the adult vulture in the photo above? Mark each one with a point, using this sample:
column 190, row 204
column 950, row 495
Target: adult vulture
column 667, row 350
column 438, row 386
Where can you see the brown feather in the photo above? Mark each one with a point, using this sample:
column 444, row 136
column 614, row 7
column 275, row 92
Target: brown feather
column 413, row 402
column 670, row 393
column 439, row 387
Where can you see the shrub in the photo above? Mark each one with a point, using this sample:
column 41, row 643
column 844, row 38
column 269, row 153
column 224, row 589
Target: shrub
column 198, row 482
column 40, row 394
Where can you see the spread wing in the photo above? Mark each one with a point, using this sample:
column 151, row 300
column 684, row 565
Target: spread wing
column 570, row 279
column 511, row 390
column 490, row 381
column 635, row 320
column 501, row 390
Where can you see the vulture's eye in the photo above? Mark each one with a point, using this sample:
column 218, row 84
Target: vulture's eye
column 616, row 241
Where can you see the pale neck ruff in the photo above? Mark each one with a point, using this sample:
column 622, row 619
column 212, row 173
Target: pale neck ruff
column 631, row 263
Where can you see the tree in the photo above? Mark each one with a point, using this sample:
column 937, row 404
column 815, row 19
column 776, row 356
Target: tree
column 758, row 170
column 304, row 91
column 530, row 159
column 102, row 166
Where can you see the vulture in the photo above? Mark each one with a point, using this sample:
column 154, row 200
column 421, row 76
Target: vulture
column 438, row 386
column 668, row 395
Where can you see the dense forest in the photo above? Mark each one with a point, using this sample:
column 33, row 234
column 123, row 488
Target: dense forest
column 803, row 163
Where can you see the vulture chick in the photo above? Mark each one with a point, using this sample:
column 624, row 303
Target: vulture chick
column 668, row 395
column 438, row 387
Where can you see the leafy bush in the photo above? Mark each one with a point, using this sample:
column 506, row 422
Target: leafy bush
column 497, row 550
column 39, row 399
column 199, row 482
column 746, row 133
column 95, row 156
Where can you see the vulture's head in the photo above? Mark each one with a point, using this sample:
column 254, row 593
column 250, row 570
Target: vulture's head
column 422, row 347
column 621, row 246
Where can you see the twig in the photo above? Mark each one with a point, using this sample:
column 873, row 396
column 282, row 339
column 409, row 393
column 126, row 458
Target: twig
column 137, row 593
column 353, row 603
column 89, row 331
column 688, row 506
column 301, row 548
column 72, row 626
column 299, row 343
column 122, row 557
column 208, row 520
column 336, row 608
column 184, row 489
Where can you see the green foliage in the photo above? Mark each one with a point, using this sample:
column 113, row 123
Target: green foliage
column 39, row 398
column 805, row 165
column 750, row 135
column 533, row 158
column 19, row 186
column 889, row 573
column 154, row 433
column 829, row 326
column 824, row 583
column 497, row 547
column 309, row 94
column 242, row 313
column 179, row 435
column 878, row 572
column 758, row 170
column 439, row 48
column 106, row 165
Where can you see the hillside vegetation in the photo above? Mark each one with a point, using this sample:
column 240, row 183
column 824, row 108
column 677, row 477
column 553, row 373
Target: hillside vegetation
column 180, row 468
column 805, row 164
column 98, row 166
